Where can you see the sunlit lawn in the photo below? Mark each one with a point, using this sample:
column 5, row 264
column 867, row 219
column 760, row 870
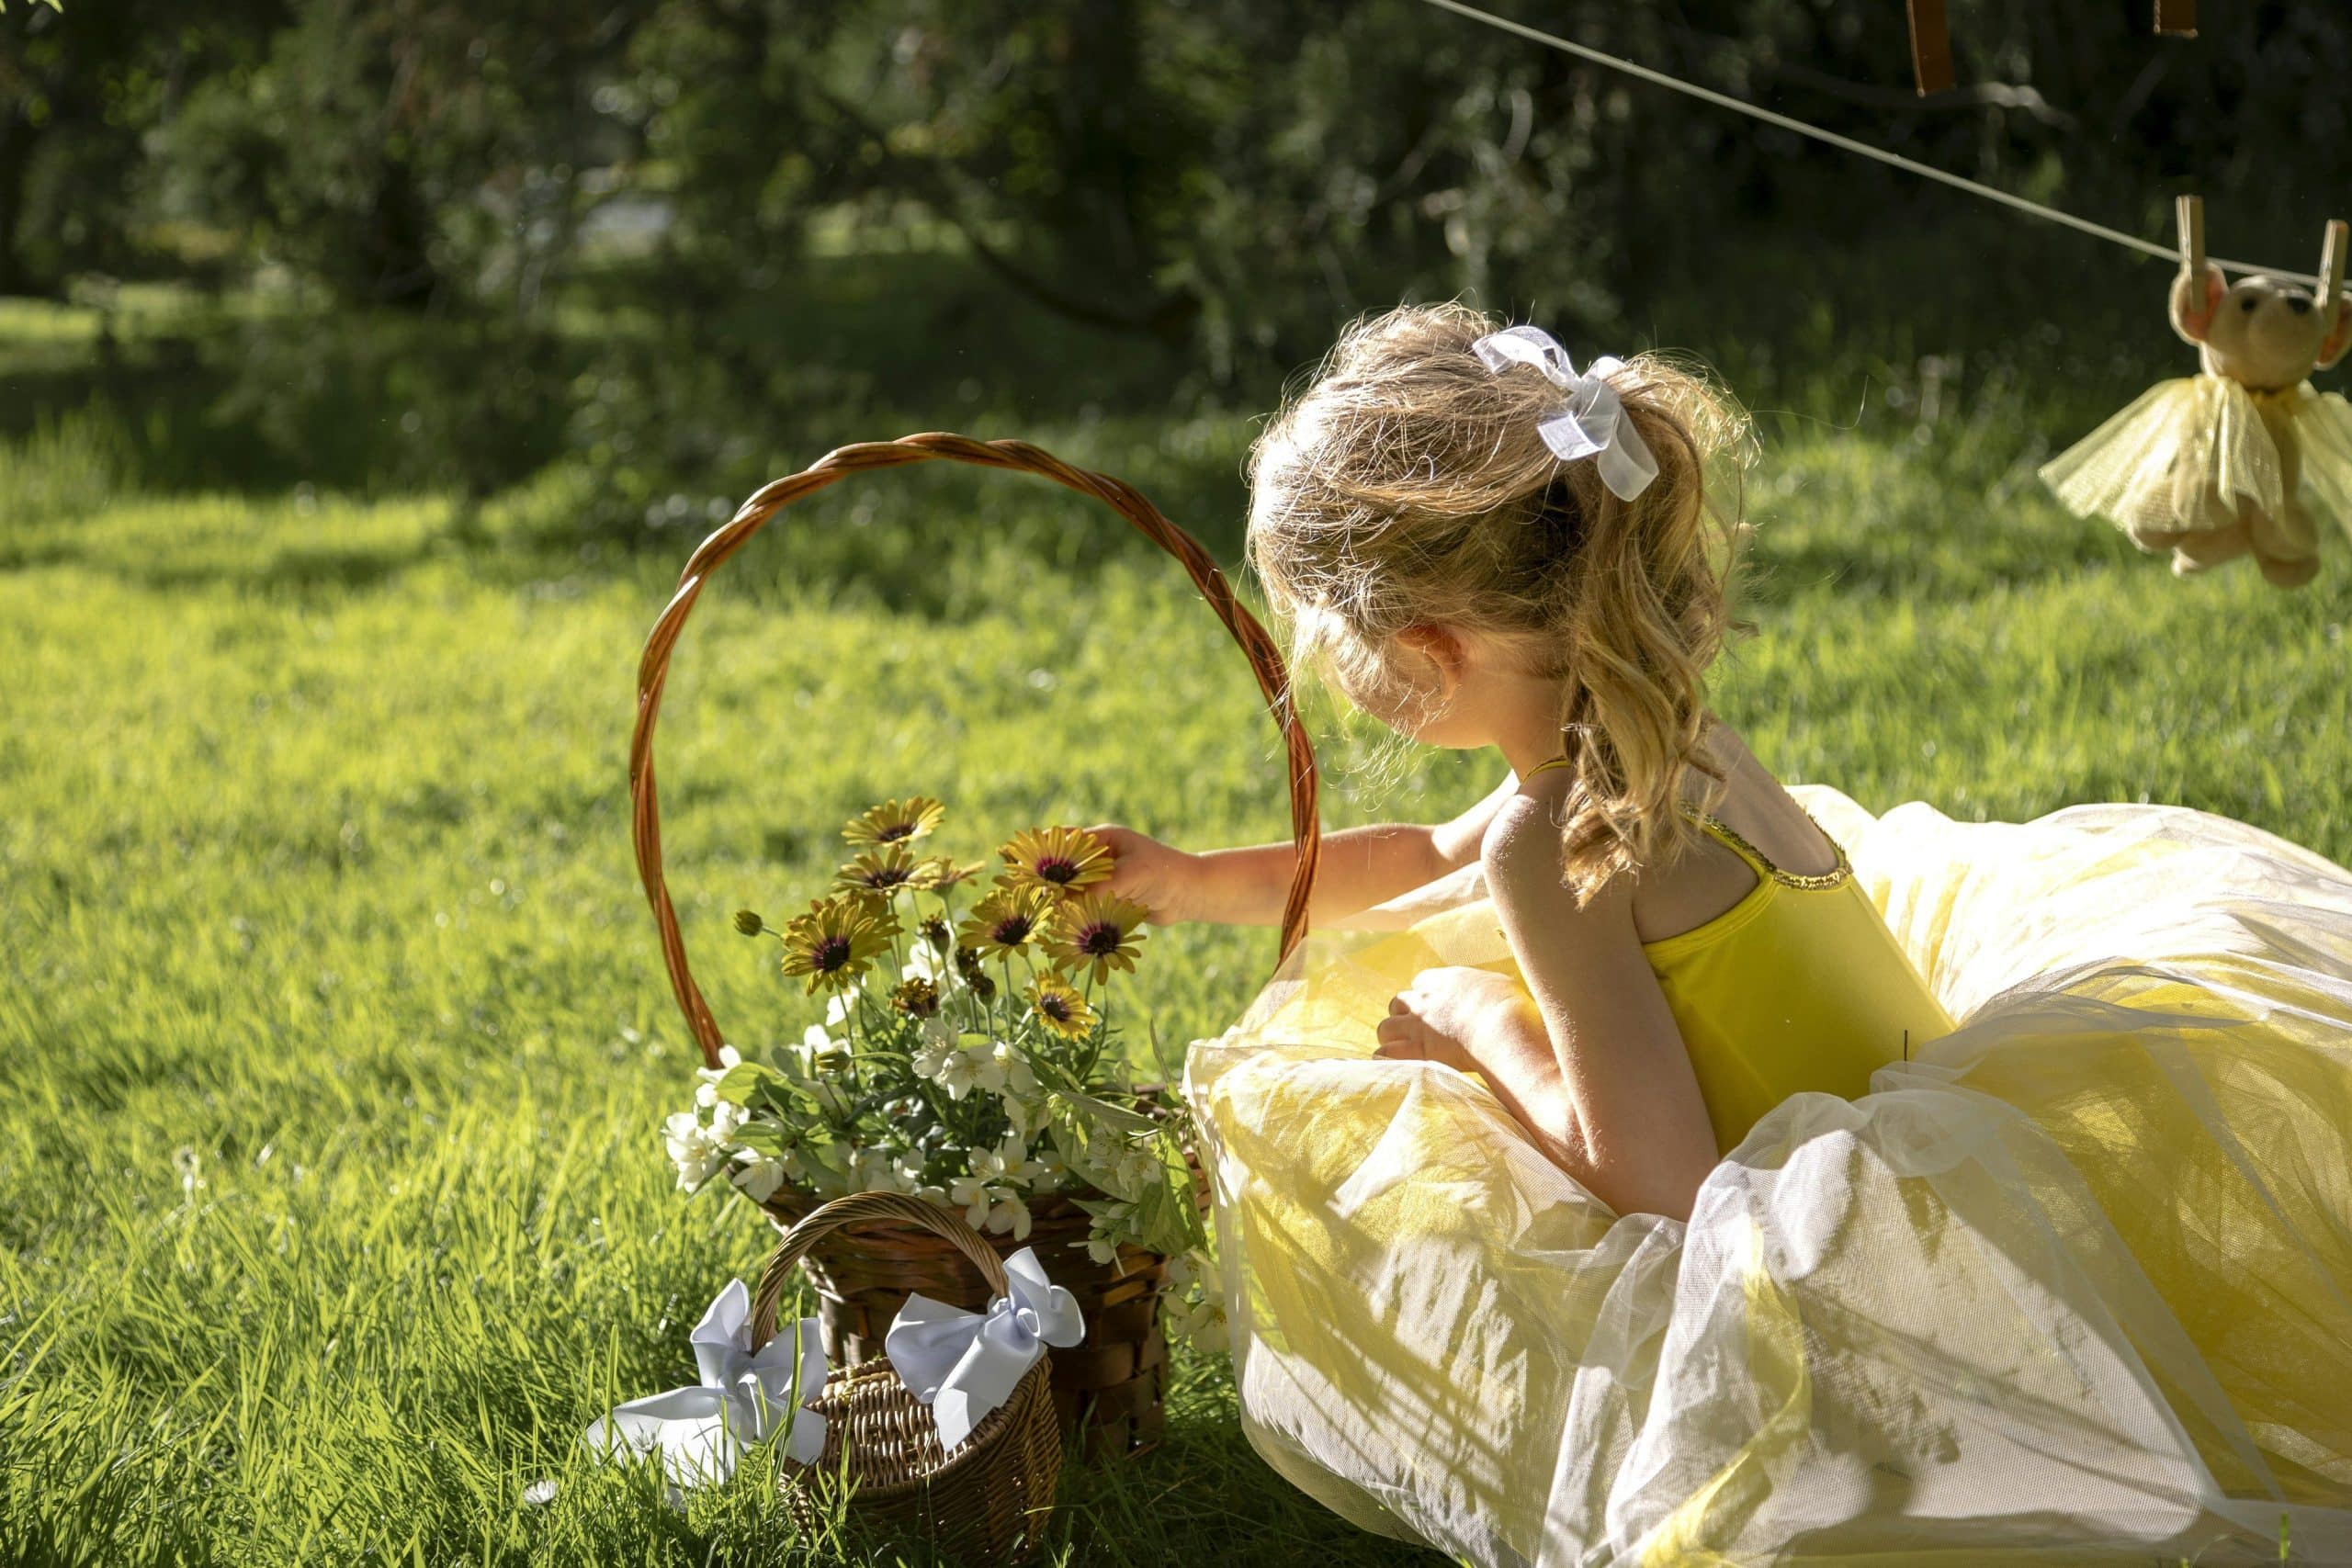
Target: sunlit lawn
column 334, row 1039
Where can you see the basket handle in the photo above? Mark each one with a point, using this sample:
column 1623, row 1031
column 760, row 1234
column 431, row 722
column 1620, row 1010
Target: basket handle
column 653, row 667
column 863, row 1208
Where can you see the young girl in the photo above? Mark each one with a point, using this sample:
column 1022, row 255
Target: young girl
column 1736, row 1247
column 1691, row 948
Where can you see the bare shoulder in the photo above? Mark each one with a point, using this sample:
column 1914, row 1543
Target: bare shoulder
column 1521, row 855
column 1522, row 840
column 1754, row 802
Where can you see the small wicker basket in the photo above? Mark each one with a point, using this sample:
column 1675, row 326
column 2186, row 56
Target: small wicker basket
column 1112, row 1385
column 986, row 1501
column 1109, row 1390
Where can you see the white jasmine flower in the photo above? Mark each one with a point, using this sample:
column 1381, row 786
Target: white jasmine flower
column 870, row 1171
column 1110, row 1227
column 706, row 1094
column 967, row 1067
column 1138, row 1167
column 727, row 1119
column 930, row 1061
column 1202, row 1321
column 728, row 1057
column 760, row 1177
column 1009, row 1213
column 973, row 1195
column 691, row 1149
column 1008, row 1164
column 837, row 1009
column 1029, row 1115
column 1015, row 1067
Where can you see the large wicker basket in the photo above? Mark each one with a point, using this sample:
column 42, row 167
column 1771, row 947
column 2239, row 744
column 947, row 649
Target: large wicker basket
column 1110, row 1386
column 986, row 1501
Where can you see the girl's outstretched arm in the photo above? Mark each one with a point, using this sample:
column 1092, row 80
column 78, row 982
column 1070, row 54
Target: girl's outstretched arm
column 1360, row 867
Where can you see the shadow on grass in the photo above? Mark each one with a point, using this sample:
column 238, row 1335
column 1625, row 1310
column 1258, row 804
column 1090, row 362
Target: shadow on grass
column 657, row 427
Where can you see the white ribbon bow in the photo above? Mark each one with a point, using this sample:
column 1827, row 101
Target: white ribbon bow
column 743, row 1398
column 1593, row 423
column 963, row 1364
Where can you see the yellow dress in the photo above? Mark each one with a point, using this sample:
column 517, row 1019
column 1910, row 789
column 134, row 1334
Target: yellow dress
column 2070, row 1281
column 1798, row 987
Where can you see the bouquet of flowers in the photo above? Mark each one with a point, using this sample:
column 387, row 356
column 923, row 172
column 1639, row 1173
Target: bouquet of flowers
column 968, row 1057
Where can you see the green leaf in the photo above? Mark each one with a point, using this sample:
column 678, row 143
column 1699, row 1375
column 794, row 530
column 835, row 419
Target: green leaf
column 1119, row 1119
column 766, row 1137
column 741, row 1084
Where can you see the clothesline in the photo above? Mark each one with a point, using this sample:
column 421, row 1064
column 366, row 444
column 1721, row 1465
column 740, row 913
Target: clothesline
column 1847, row 143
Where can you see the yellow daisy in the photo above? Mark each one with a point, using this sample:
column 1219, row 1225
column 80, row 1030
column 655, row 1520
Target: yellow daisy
column 1006, row 920
column 1061, row 1009
column 895, row 821
column 1096, row 931
column 837, row 940
column 941, row 873
column 880, row 872
column 1060, row 859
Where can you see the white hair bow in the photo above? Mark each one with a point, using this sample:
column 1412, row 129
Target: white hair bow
column 964, row 1364
column 1592, row 423
column 743, row 1398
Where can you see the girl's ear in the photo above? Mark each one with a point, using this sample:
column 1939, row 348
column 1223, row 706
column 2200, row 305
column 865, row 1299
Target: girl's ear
column 2339, row 336
column 1440, row 648
column 2194, row 301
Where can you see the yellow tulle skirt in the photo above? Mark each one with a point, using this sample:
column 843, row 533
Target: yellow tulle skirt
column 2075, row 1285
column 2145, row 467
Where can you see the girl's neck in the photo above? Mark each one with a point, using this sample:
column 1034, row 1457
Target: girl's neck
column 1528, row 746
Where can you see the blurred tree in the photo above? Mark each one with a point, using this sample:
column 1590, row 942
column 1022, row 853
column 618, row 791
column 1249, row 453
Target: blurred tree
column 1217, row 183
column 409, row 152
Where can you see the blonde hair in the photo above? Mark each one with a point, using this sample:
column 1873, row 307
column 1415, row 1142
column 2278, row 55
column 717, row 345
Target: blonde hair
column 1406, row 484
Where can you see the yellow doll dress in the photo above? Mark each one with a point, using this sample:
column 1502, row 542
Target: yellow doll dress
column 2031, row 1242
column 2129, row 469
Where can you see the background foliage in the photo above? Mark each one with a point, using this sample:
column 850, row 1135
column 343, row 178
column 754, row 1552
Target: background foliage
column 1207, row 185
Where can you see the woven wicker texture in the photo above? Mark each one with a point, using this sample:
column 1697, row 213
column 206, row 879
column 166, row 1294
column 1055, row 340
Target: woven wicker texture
column 653, row 667
column 988, row 1501
column 1107, row 1390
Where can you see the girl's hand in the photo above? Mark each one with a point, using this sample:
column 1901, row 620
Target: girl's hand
column 1446, row 1015
column 1171, row 884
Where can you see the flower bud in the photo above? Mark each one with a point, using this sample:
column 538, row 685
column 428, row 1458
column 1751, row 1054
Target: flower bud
column 749, row 922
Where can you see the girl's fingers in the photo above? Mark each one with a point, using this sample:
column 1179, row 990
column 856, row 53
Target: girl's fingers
column 1398, row 1004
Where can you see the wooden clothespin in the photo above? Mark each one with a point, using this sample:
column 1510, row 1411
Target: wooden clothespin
column 2189, row 212
column 1931, row 46
column 2331, row 264
column 2176, row 18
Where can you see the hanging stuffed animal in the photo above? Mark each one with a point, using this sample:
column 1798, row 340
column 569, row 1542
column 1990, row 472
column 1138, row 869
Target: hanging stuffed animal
column 2245, row 458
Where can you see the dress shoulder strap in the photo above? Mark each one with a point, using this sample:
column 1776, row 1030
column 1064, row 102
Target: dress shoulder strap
column 1731, row 839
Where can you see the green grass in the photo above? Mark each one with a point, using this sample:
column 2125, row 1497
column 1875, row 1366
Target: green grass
column 334, row 1036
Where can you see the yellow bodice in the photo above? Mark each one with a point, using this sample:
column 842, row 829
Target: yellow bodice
column 1799, row 985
